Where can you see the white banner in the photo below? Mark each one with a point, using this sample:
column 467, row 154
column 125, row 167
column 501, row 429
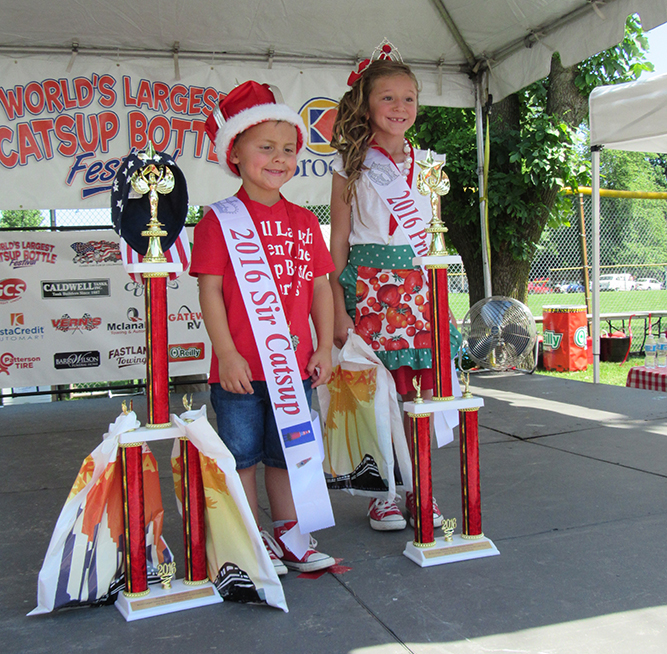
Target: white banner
column 64, row 134
column 281, row 369
column 69, row 313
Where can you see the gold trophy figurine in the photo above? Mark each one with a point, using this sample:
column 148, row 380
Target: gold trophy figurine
column 154, row 180
column 433, row 181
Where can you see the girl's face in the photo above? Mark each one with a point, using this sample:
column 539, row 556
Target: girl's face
column 392, row 105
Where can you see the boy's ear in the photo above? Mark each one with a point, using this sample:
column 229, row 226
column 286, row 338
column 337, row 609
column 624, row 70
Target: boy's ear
column 233, row 156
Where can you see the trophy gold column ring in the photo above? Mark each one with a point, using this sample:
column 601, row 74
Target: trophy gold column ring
column 433, row 181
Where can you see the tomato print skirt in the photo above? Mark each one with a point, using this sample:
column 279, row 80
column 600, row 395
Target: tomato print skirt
column 389, row 301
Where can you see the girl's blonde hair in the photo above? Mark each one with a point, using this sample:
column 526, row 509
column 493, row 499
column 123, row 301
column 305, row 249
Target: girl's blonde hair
column 352, row 129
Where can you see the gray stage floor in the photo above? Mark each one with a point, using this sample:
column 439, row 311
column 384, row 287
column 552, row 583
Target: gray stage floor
column 574, row 496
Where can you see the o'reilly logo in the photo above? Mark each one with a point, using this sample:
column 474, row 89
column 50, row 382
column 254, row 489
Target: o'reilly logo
column 73, row 288
column 552, row 340
column 580, row 337
column 69, row 360
column 186, row 352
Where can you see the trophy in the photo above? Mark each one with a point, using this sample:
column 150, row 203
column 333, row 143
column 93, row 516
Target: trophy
column 433, row 181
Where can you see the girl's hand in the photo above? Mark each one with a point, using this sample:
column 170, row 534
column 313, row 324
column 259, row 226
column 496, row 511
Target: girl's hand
column 235, row 375
column 319, row 367
column 342, row 323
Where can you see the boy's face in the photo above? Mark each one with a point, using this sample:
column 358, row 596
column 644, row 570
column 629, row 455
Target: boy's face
column 266, row 157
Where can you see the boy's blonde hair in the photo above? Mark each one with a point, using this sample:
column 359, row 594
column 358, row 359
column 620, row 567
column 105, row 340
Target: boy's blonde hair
column 352, row 134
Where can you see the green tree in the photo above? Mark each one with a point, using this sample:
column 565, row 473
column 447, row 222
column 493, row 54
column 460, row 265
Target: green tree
column 534, row 153
column 19, row 219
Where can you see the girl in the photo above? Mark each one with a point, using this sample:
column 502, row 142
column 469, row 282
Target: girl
column 377, row 292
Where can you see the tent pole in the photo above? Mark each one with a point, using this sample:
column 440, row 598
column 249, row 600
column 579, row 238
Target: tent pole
column 479, row 129
column 595, row 196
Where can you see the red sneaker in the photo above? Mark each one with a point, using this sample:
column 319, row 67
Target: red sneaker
column 385, row 515
column 410, row 506
column 275, row 552
column 311, row 561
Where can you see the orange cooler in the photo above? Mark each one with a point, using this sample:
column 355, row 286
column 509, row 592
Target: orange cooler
column 565, row 338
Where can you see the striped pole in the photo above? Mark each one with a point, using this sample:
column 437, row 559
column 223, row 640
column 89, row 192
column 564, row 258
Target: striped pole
column 194, row 528
column 420, row 429
column 134, row 526
column 440, row 347
column 471, row 497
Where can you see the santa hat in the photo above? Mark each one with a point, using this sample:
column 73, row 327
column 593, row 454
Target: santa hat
column 247, row 105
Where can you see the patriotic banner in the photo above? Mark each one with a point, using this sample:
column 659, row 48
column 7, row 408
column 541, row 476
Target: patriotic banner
column 281, row 370
column 69, row 313
column 84, row 562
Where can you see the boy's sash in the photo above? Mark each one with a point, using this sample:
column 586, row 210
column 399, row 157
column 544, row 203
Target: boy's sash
column 399, row 199
column 281, row 370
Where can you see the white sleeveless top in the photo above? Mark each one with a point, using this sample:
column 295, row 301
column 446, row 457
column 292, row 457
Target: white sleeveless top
column 370, row 217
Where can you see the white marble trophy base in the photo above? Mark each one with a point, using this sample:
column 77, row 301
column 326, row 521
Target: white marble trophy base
column 160, row 600
column 167, row 267
column 458, row 549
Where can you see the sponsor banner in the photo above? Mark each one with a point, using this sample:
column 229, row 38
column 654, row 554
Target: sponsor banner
column 72, row 314
column 74, row 129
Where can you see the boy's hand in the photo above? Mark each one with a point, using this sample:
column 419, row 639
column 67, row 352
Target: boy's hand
column 319, row 367
column 342, row 323
column 235, row 375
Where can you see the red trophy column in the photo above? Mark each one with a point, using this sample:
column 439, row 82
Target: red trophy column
column 157, row 358
column 471, row 496
column 440, row 347
column 136, row 582
column 420, row 430
column 194, row 528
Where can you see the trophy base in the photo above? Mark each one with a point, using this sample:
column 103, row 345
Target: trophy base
column 458, row 549
column 167, row 600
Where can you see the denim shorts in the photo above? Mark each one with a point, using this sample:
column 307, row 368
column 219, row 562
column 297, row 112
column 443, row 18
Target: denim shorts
column 247, row 426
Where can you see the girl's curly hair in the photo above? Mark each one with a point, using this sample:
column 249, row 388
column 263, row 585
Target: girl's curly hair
column 352, row 129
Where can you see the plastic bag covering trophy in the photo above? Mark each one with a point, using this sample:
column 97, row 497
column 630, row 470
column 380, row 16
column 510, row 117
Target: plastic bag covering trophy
column 150, row 187
column 427, row 550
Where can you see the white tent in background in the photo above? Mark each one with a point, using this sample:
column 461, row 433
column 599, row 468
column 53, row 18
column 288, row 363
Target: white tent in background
column 461, row 50
column 629, row 116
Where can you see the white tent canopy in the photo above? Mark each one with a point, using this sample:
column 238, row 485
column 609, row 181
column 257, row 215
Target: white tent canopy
column 460, row 49
column 630, row 116
column 452, row 38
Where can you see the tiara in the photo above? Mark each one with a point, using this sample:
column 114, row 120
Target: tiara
column 386, row 50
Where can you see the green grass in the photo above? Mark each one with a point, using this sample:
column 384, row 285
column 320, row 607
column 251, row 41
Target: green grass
column 610, row 373
column 610, row 302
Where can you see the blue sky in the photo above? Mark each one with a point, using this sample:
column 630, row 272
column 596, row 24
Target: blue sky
column 658, row 53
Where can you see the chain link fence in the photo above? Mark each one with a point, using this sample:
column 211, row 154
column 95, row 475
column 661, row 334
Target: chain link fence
column 633, row 262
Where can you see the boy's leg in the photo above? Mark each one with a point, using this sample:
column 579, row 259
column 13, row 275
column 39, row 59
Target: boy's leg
column 249, row 481
column 280, row 494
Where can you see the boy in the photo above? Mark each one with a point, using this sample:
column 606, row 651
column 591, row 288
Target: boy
column 259, row 141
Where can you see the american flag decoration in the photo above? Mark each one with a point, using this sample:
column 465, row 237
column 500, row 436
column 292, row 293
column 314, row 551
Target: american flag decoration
column 179, row 252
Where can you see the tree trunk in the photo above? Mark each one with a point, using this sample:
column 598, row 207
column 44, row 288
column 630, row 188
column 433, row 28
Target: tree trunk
column 509, row 272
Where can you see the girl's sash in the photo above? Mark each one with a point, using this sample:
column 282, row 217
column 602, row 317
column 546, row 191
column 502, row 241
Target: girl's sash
column 281, row 370
column 399, row 199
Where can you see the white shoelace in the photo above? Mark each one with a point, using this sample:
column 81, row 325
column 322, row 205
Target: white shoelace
column 271, row 543
column 384, row 506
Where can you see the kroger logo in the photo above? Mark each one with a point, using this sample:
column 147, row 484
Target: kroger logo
column 319, row 115
column 552, row 340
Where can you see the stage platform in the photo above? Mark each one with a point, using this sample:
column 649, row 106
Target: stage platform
column 574, row 496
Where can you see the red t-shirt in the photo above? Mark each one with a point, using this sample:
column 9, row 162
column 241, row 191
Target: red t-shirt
column 296, row 252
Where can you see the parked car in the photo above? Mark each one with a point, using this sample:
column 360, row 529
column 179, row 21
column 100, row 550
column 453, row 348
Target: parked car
column 575, row 287
column 617, row 282
column 648, row 284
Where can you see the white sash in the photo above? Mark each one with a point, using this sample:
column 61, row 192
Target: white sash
column 399, row 199
column 281, row 370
